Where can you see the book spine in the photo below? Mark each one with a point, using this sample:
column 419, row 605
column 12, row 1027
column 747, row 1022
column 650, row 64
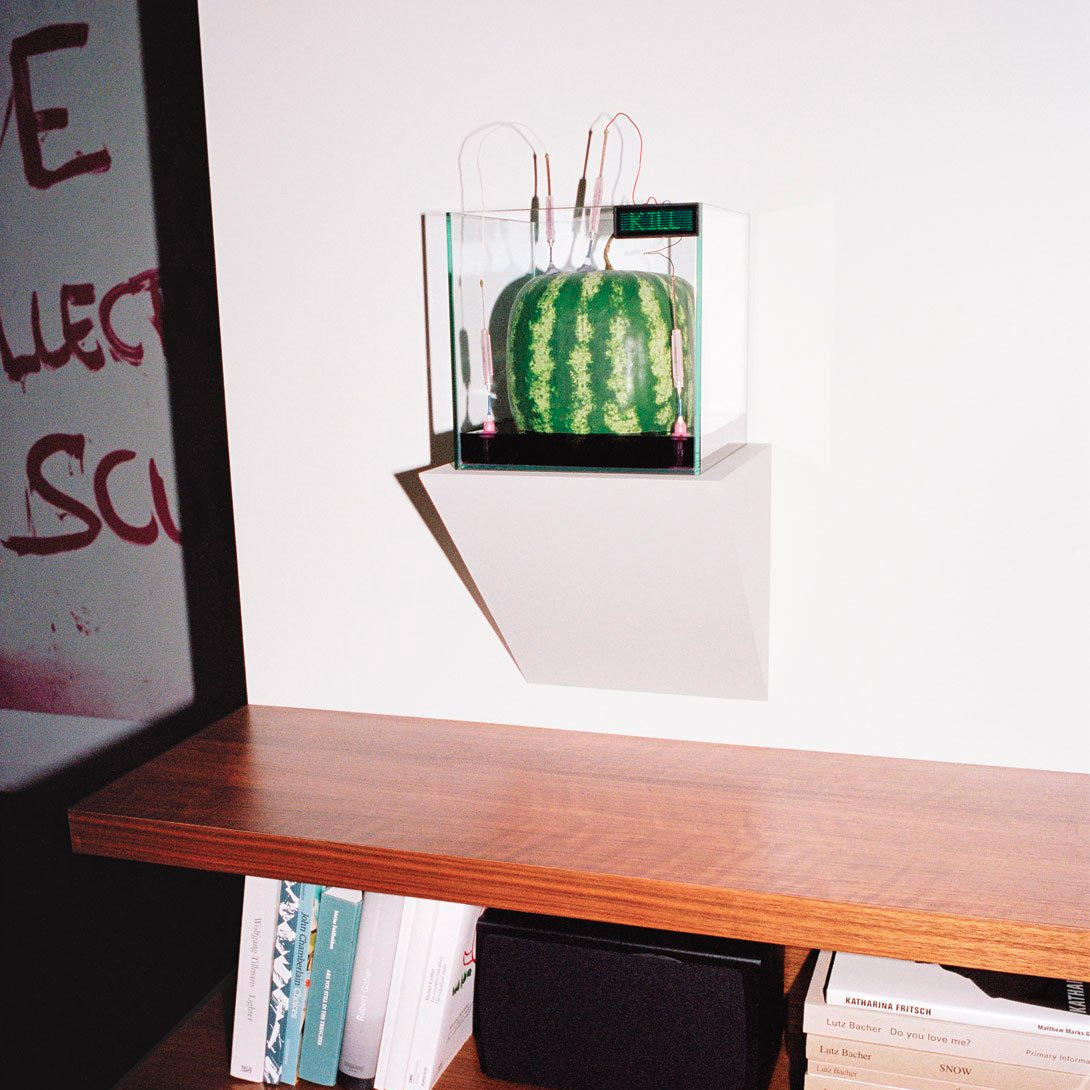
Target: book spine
column 817, row 1081
column 883, row 1063
column 437, row 975
column 458, row 1018
column 301, row 956
column 892, row 1080
column 949, row 1038
column 335, row 948
column 1020, row 1017
column 408, row 914
column 287, row 913
column 369, row 991
column 408, row 1002
column 259, row 902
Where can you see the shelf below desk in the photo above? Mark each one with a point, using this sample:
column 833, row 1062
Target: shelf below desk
column 196, row 1056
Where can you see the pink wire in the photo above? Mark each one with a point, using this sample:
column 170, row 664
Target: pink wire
column 639, row 163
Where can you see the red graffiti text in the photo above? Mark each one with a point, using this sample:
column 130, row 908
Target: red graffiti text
column 76, row 340
column 31, row 121
column 92, row 518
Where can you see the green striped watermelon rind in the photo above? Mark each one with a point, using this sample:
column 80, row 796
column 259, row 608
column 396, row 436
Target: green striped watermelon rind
column 588, row 352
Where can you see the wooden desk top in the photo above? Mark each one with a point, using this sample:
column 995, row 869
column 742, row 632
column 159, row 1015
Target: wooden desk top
column 962, row 864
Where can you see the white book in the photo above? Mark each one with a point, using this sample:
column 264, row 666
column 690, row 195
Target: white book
column 416, row 949
column 840, row 1077
column 950, row 1038
column 408, row 913
column 913, row 1070
column 260, row 899
column 457, row 1022
column 924, row 990
column 447, row 984
column 369, row 991
column 816, row 1081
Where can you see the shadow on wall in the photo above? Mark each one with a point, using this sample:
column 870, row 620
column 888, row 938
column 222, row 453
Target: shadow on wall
column 440, row 453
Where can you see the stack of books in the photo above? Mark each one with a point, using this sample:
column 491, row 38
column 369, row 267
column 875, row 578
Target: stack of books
column 879, row 1022
column 367, row 988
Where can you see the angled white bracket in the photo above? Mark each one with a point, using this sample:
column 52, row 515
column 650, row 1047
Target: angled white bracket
column 622, row 581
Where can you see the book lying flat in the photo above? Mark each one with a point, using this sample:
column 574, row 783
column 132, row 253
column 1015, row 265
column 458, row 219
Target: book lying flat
column 891, row 1080
column 928, row 1035
column 816, row 1081
column 915, row 1070
column 924, row 990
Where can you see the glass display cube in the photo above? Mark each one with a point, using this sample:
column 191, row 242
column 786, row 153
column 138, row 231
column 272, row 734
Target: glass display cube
column 622, row 352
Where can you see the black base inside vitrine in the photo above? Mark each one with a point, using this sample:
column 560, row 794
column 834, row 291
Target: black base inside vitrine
column 531, row 450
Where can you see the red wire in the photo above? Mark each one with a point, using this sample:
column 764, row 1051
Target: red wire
column 639, row 163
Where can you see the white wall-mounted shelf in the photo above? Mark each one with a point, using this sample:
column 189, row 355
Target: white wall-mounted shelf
column 645, row 582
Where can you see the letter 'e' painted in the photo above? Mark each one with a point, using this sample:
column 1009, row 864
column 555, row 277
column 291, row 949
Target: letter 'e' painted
column 32, row 122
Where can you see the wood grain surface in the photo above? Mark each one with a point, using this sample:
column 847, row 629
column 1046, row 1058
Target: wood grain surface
column 979, row 866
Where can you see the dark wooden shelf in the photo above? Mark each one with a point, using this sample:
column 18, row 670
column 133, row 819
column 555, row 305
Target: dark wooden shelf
column 196, row 1057
column 960, row 864
column 953, row 863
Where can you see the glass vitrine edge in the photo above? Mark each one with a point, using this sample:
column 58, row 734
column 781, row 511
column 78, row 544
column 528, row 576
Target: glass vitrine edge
column 455, row 424
column 698, row 346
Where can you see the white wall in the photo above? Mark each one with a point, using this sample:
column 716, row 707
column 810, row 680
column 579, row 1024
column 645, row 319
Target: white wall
column 919, row 175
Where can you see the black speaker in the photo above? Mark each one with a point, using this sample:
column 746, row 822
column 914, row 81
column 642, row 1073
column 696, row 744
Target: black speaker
column 578, row 1005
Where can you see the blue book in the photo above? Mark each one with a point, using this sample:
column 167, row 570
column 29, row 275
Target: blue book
column 327, row 1005
column 301, row 958
column 287, row 916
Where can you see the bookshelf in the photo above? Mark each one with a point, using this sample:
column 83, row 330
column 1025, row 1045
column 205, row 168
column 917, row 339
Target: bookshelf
column 196, row 1057
column 961, row 864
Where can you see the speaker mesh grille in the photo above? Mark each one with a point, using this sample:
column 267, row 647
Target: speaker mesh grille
column 584, row 1018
